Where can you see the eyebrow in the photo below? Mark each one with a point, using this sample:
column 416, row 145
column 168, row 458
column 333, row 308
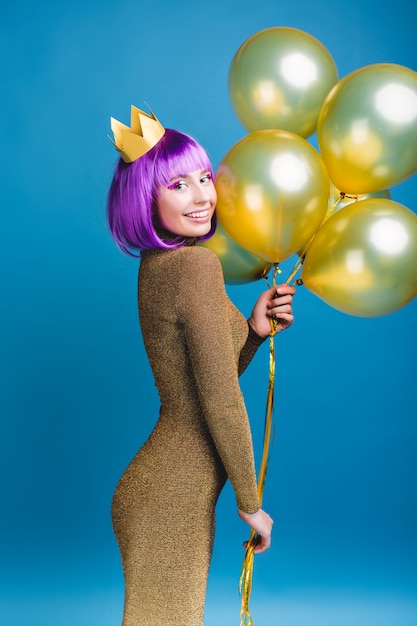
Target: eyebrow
column 186, row 175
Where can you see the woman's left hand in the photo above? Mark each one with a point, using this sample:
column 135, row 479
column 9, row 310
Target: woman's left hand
column 275, row 303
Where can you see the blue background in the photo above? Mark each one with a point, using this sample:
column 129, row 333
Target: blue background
column 77, row 396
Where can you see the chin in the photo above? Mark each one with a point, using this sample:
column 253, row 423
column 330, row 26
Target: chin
column 203, row 233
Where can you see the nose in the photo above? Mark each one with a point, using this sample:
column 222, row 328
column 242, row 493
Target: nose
column 200, row 194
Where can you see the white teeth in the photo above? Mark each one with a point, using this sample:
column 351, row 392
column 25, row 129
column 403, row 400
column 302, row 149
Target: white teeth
column 199, row 214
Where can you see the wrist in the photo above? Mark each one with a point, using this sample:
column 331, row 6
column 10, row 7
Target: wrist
column 254, row 332
column 245, row 515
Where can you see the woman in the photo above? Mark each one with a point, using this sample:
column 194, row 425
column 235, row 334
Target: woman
column 161, row 202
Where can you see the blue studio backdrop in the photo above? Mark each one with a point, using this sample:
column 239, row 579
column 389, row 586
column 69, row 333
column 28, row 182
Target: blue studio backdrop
column 77, row 397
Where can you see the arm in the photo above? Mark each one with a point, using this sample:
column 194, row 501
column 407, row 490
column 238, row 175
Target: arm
column 204, row 313
column 249, row 349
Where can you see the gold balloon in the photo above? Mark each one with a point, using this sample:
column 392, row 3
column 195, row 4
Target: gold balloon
column 272, row 193
column 239, row 266
column 367, row 128
column 363, row 260
column 279, row 79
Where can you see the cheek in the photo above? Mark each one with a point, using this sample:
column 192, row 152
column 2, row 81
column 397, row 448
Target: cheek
column 168, row 212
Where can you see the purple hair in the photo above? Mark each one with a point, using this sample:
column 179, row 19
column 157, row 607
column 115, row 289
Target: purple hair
column 133, row 193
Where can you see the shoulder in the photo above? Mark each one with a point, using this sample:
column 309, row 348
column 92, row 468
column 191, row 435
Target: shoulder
column 197, row 257
column 196, row 267
column 202, row 255
column 198, row 278
column 183, row 265
column 199, row 263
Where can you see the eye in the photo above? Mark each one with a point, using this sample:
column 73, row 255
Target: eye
column 177, row 185
column 207, row 178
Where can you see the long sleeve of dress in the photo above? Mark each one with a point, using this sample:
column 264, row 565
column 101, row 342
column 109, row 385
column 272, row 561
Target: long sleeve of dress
column 204, row 312
column 249, row 349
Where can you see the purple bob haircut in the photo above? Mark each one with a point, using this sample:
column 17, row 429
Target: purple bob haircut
column 133, row 193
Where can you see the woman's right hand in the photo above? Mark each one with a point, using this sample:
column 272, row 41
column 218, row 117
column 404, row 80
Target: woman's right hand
column 261, row 523
column 275, row 303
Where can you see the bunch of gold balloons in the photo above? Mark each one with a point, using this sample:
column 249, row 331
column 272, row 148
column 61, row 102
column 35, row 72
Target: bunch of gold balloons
column 279, row 196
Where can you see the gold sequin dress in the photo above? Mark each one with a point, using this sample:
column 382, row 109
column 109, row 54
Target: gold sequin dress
column 163, row 507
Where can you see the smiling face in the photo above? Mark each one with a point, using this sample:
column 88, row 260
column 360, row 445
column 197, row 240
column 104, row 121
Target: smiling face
column 186, row 205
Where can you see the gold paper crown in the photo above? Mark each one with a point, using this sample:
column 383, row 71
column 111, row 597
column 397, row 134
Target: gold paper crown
column 144, row 133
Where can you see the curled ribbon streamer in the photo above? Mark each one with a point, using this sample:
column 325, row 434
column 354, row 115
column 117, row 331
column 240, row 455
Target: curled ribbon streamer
column 245, row 581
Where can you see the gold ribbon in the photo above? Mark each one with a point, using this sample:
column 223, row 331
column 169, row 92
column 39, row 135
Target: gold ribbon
column 245, row 582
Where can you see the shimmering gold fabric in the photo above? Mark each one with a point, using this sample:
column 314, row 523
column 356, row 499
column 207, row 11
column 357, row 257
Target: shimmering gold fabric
column 163, row 507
